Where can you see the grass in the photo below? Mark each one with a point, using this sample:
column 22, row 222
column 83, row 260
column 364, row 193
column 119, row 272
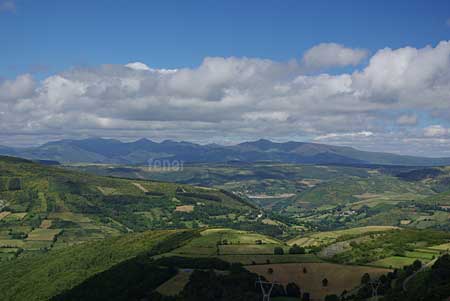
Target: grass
column 43, row 234
column 340, row 277
column 238, row 242
column 175, row 285
column 420, row 255
column 41, row 276
column 43, row 201
column 12, row 243
column 16, row 216
column 247, row 249
column 331, row 236
column 442, row 247
column 263, row 259
column 395, row 262
column 70, row 216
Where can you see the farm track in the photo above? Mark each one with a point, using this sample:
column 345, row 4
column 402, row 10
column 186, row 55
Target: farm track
column 142, row 188
column 424, row 267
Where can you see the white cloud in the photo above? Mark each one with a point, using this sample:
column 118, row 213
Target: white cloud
column 333, row 55
column 363, row 134
column 143, row 67
column 236, row 99
column 407, row 76
column 22, row 86
column 138, row 66
column 407, row 119
column 436, row 131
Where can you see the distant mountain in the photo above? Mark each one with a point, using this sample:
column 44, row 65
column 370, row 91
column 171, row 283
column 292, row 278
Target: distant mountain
column 98, row 150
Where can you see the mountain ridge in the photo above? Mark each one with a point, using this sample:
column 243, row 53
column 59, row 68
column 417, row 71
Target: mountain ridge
column 139, row 152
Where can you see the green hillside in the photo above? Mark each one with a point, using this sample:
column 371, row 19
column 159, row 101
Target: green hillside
column 44, row 207
column 42, row 276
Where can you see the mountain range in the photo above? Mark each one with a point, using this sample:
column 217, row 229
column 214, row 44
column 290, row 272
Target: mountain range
column 111, row 151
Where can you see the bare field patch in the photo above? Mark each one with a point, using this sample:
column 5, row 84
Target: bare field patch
column 45, row 224
column 4, row 214
column 340, row 277
column 185, row 208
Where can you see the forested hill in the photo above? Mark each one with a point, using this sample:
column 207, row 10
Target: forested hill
column 97, row 150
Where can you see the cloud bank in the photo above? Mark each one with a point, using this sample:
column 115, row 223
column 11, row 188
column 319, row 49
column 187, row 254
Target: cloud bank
column 232, row 99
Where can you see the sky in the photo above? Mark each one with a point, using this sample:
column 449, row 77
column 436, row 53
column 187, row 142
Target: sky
column 374, row 75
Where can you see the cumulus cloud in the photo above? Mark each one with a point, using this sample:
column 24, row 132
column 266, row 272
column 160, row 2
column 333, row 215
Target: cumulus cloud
column 327, row 55
column 236, row 99
column 138, row 66
column 22, row 86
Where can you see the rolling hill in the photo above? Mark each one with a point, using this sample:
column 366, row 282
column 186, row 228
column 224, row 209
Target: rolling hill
column 42, row 276
column 45, row 207
column 97, row 150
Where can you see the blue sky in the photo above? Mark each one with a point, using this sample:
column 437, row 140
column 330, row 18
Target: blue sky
column 370, row 74
column 56, row 35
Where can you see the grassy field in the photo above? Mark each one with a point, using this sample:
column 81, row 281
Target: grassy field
column 264, row 259
column 395, row 262
column 175, row 285
column 442, row 247
column 43, row 234
column 340, row 277
column 247, row 249
column 329, row 237
column 231, row 242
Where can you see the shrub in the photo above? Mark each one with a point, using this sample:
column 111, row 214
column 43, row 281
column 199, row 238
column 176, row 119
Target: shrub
column 292, row 290
column 14, row 184
column 296, row 249
column 331, row 298
column 278, row 251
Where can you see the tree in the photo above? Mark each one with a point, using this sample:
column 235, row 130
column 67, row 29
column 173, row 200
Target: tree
column 296, row 249
column 14, row 184
column 331, row 298
column 278, row 251
column 292, row 290
column 365, row 278
column 325, row 282
column 417, row 264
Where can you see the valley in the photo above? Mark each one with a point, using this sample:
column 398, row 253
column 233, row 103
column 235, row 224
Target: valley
column 294, row 224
